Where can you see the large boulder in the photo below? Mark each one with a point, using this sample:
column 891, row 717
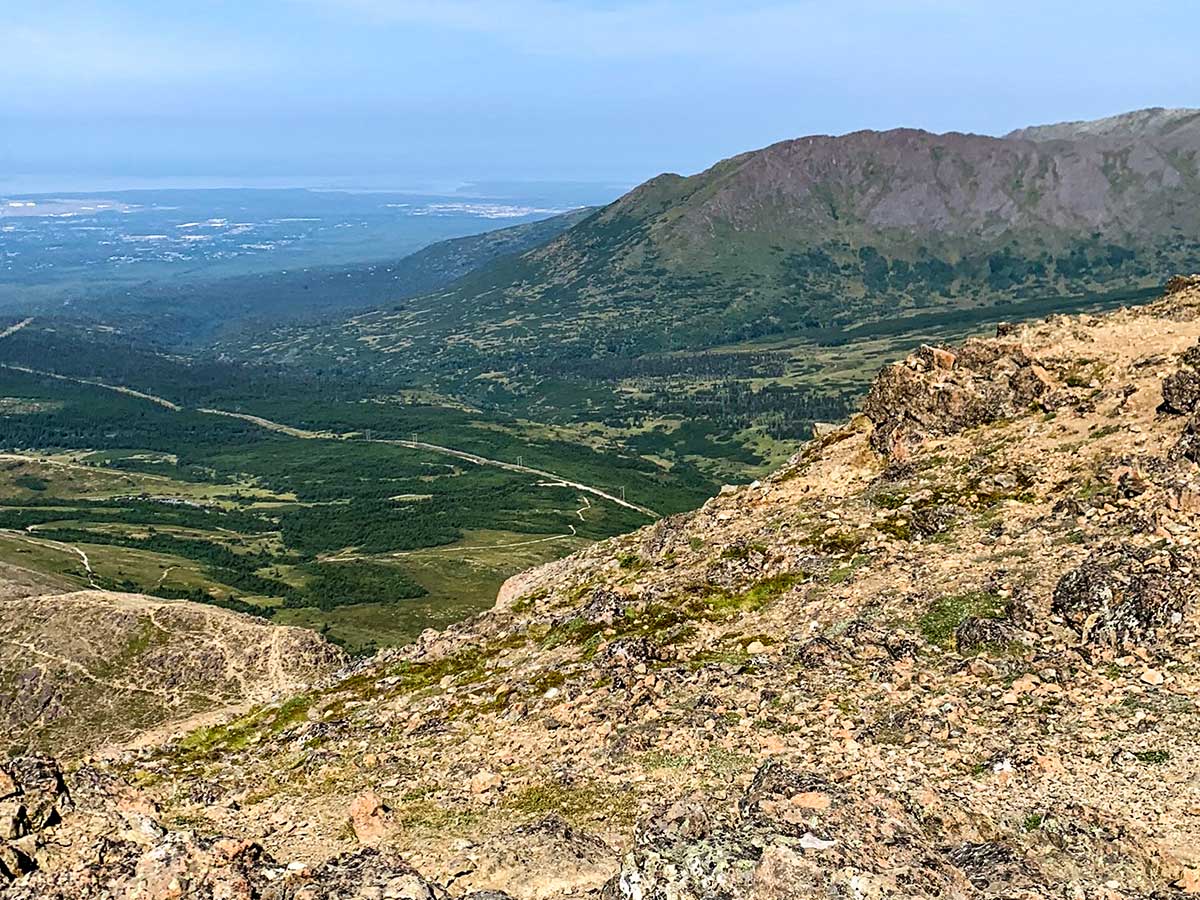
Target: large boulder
column 1125, row 594
column 937, row 392
column 33, row 797
column 1181, row 392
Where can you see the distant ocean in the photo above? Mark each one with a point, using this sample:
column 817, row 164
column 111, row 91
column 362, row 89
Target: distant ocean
column 568, row 194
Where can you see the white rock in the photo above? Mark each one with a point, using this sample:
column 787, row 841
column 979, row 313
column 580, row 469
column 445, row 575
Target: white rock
column 811, row 842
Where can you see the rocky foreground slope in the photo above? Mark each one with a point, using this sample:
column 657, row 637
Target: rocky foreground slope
column 83, row 669
column 948, row 651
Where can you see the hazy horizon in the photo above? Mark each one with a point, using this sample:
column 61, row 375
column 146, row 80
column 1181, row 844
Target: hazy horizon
column 578, row 193
column 608, row 91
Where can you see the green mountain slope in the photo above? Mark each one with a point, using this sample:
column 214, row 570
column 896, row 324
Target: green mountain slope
column 812, row 236
column 186, row 312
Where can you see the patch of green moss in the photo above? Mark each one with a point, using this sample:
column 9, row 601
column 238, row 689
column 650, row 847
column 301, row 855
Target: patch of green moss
column 468, row 662
column 425, row 815
column 662, row 623
column 1003, row 649
column 574, row 631
column 147, row 636
column 888, row 499
column 843, row 572
column 1103, row 431
column 838, row 542
column 735, row 656
column 293, row 712
column 1152, row 757
column 544, row 681
column 235, row 735
column 1083, row 373
column 720, row 761
column 660, row 759
column 575, row 803
column 898, row 528
column 939, row 622
column 527, row 602
column 721, row 605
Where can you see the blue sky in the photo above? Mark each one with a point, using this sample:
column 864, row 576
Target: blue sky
column 577, row 89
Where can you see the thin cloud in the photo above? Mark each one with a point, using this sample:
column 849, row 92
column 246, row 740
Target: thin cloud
column 620, row 29
column 89, row 53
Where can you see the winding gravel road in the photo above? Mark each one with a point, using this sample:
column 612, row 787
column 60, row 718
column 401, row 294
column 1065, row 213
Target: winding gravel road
column 464, row 455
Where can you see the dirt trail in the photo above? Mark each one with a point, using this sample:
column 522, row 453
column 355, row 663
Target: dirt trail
column 84, row 672
column 13, row 329
column 141, row 395
column 55, row 545
column 272, row 426
column 455, row 548
column 514, row 467
column 464, row 455
column 163, row 734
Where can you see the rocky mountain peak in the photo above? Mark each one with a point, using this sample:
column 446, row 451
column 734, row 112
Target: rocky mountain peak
column 1155, row 122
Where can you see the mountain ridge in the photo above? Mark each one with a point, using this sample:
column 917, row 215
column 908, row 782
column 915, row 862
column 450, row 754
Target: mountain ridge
column 827, row 232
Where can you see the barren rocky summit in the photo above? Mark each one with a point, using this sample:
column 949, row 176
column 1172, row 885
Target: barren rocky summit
column 947, row 651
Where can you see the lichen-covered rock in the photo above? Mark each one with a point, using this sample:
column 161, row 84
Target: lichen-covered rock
column 1181, row 392
column 922, row 396
column 796, row 837
column 1178, row 283
column 604, row 607
column 1124, row 594
column 977, row 633
column 361, row 874
column 546, row 858
column 627, row 652
column 106, row 846
column 936, row 519
column 1191, row 356
column 986, row 863
column 33, row 797
column 184, row 866
column 680, row 855
column 1188, row 445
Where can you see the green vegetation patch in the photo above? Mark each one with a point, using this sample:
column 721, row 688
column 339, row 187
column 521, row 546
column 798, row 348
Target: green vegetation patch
column 147, row 636
column 242, row 732
column 939, row 622
column 1152, row 757
column 31, row 482
column 575, row 803
column 334, row 584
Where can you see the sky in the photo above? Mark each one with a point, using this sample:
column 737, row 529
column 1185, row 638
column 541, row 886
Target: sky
column 443, row 91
